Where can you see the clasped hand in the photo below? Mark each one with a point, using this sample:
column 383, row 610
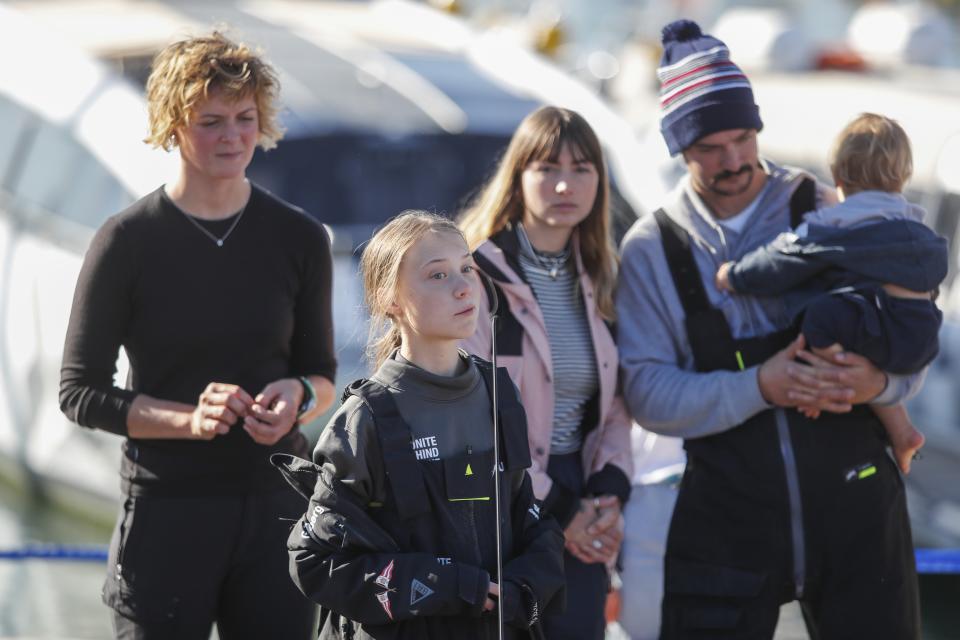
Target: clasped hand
column 267, row 418
column 595, row 533
column 831, row 381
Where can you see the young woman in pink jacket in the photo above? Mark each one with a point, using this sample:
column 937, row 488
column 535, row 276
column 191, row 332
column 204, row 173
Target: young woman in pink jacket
column 540, row 230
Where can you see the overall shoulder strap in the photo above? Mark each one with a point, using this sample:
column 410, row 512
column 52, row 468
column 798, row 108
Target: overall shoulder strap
column 403, row 470
column 683, row 267
column 514, row 446
column 804, row 199
column 707, row 328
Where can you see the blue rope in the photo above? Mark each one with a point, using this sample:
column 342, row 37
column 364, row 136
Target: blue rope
column 91, row 553
column 933, row 561
column 938, row 561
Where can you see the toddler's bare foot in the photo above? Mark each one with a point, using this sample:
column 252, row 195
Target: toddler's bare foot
column 907, row 447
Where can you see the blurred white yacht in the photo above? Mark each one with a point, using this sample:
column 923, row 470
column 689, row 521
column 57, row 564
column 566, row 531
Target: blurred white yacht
column 389, row 105
column 70, row 154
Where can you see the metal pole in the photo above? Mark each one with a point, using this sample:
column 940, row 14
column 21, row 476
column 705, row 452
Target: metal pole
column 496, row 453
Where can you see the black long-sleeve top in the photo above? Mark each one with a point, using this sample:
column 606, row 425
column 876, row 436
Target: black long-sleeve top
column 188, row 313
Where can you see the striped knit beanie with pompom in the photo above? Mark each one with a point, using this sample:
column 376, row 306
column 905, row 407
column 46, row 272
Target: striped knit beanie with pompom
column 701, row 90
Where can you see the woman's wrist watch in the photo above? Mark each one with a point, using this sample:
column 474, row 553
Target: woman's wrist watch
column 309, row 397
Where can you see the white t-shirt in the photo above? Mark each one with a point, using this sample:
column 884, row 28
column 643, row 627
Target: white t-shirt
column 738, row 222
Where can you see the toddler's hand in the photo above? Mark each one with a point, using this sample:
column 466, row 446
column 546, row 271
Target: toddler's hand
column 722, row 279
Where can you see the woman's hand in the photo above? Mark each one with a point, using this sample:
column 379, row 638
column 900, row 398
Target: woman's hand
column 593, row 536
column 274, row 411
column 220, row 406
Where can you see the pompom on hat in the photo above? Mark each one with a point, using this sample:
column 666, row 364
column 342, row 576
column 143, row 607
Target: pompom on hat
column 701, row 90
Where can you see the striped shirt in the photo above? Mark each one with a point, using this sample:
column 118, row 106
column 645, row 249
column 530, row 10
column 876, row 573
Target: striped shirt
column 554, row 281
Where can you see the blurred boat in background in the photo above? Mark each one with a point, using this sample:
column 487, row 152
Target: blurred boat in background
column 70, row 154
column 388, row 105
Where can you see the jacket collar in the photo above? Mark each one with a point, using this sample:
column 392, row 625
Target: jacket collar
column 508, row 243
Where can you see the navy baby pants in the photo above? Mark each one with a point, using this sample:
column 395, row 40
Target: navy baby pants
column 898, row 335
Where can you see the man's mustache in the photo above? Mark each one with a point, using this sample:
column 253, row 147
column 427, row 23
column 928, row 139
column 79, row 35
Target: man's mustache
column 723, row 175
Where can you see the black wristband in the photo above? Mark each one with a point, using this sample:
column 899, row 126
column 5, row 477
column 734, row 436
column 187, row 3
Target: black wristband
column 309, row 400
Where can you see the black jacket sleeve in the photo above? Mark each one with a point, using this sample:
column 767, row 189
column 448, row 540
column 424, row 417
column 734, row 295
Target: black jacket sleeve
column 534, row 578
column 343, row 560
column 610, row 480
column 769, row 270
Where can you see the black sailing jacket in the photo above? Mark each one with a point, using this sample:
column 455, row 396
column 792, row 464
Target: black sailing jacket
column 407, row 568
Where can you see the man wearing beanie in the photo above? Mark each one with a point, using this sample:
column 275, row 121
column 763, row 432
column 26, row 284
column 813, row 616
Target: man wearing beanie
column 773, row 506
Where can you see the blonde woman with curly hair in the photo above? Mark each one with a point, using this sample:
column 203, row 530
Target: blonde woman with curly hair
column 540, row 231
column 220, row 294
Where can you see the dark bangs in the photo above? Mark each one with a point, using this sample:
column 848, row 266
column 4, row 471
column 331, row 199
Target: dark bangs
column 572, row 131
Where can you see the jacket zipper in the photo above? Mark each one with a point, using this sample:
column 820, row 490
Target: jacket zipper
column 476, row 539
column 793, row 494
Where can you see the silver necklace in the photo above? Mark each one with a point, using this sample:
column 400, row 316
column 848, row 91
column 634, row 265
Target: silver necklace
column 552, row 263
column 549, row 263
column 218, row 241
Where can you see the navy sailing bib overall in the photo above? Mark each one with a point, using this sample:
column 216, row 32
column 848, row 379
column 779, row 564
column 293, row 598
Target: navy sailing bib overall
column 782, row 507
